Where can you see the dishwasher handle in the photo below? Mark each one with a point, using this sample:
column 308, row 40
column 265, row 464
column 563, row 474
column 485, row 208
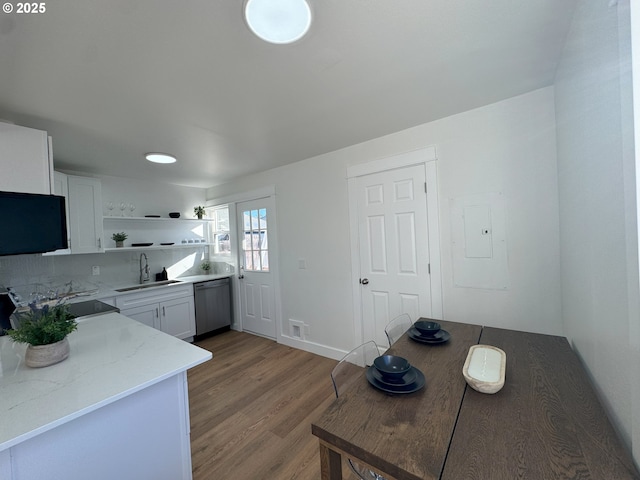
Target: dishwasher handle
column 211, row 284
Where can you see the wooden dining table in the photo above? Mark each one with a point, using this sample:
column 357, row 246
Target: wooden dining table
column 545, row 423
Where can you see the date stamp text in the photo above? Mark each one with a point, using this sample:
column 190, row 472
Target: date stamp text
column 24, row 8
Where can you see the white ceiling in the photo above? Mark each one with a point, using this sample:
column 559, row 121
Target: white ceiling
column 113, row 79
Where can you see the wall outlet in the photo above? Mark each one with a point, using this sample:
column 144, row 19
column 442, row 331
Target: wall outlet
column 95, row 270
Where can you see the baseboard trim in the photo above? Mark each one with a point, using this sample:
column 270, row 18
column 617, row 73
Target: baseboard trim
column 312, row 347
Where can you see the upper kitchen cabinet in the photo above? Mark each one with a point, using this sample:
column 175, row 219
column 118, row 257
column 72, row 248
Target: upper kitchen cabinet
column 85, row 214
column 61, row 187
column 25, row 159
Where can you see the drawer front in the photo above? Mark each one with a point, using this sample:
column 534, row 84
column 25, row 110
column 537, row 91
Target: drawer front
column 160, row 294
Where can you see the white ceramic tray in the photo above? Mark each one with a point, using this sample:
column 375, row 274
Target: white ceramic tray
column 484, row 368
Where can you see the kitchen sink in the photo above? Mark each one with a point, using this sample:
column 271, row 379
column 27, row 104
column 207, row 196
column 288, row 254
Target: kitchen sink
column 147, row 285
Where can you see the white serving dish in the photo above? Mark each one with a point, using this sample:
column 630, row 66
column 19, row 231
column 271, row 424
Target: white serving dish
column 484, row 368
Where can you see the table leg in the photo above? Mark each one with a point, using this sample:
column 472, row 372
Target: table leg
column 330, row 463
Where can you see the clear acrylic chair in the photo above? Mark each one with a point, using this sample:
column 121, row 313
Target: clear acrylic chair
column 348, row 370
column 396, row 327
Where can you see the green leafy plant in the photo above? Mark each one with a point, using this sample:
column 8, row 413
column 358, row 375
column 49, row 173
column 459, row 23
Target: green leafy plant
column 206, row 266
column 199, row 211
column 119, row 237
column 44, row 326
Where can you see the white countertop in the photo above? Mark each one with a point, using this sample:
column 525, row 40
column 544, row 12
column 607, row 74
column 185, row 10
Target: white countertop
column 108, row 291
column 111, row 357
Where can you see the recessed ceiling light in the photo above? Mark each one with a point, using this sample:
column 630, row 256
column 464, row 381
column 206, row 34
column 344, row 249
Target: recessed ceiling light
column 160, row 158
column 278, row 21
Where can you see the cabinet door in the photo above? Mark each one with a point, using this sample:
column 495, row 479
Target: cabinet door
column 177, row 317
column 147, row 314
column 85, row 215
column 61, row 187
column 24, row 160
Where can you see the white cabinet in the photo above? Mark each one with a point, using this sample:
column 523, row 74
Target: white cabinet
column 177, row 317
column 25, row 160
column 61, row 187
column 141, row 435
column 5, row 464
column 148, row 314
column 85, row 214
column 170, row 309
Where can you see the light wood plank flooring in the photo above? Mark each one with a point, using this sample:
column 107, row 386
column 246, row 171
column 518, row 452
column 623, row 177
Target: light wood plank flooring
column 251, row 410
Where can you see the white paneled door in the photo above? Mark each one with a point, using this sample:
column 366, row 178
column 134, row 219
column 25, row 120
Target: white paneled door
column 394, row 248
column 257, row 297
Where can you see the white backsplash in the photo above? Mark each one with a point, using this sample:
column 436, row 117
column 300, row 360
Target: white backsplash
column 30, row 273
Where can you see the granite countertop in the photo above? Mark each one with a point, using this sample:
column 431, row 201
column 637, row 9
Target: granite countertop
column 111, row 357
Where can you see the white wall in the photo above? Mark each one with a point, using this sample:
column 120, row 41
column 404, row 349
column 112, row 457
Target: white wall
column 634, row 326
column 598, row 218
column 507, row 147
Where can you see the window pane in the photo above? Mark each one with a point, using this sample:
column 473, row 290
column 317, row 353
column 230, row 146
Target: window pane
column 256, row 261
column 263, row 218
column 222, row 244
column 218, row 230
column 222, row 219
column 248, row 262
column 265, row 261
column 255, row 224
column 255, row 245
column 264, row 244
column 246, row 243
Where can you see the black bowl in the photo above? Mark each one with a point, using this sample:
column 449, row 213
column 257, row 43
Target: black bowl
column 174, row 214
column 427, row 328
column 392, row 367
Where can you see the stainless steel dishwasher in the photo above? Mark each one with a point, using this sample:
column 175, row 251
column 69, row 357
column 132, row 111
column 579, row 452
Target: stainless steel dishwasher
column 213, row 305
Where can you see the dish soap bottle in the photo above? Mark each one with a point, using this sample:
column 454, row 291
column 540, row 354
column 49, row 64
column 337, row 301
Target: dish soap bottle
column 165, row 275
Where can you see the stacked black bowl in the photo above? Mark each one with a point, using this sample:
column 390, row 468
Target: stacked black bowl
column 391, row 367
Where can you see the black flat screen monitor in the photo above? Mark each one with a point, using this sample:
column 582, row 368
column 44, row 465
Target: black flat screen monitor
column 32, row 223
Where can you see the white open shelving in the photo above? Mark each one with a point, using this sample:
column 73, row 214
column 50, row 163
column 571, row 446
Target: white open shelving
column 182, row 232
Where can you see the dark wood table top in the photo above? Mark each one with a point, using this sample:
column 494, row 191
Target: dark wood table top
column 545, row 423
column 406, row 436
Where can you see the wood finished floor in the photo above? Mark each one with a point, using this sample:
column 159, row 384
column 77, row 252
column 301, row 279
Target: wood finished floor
column 251, row 410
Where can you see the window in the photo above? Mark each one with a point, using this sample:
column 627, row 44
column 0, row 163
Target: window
column 220, row 233
column 255, row 244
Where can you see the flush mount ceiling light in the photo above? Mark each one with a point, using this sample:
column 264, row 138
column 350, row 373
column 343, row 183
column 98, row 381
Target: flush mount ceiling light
column 278, row 21
column 160, row 158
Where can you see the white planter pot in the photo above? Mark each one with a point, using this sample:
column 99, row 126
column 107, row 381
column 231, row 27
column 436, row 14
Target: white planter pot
column 45, row 355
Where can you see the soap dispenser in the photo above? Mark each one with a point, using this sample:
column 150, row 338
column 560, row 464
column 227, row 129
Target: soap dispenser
column 165, row 275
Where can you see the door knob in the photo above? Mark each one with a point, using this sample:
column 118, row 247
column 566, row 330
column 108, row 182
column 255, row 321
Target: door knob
column 364, row 281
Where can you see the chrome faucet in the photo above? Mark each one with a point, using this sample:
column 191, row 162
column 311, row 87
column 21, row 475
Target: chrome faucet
column 144, row 270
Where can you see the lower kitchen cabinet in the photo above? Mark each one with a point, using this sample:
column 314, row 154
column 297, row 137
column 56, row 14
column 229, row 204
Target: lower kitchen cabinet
column 169, row 309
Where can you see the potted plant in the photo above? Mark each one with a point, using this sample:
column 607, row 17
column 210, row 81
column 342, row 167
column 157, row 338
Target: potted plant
column 199, row 212
column 205, row 266
column 119, row 238
column 45, row 331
